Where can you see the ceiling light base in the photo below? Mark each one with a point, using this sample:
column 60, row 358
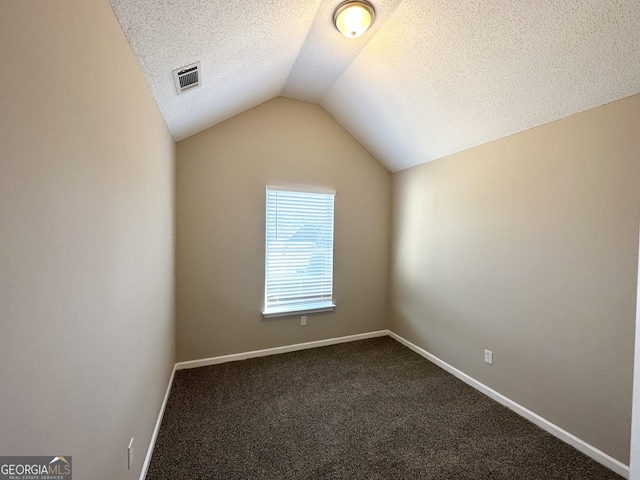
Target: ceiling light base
column 354, row 17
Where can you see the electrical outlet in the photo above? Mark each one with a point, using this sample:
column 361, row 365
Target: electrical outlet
column 303, row 320
column 130, row 454
column 488, row 357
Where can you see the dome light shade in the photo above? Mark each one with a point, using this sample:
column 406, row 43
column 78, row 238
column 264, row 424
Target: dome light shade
column 353, row 18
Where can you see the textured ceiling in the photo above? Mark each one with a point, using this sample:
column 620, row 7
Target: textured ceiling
column 431, row 78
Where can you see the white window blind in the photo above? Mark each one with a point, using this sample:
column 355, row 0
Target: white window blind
column 299, row 251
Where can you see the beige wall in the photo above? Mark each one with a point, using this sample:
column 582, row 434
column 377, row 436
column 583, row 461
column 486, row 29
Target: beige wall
column 528, row 247
column 86, row 240
column 221, row 176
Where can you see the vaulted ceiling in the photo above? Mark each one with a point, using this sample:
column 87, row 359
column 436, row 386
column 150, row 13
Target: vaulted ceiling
column 430, row 78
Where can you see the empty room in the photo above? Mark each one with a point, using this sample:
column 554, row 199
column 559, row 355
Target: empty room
column 255, row 240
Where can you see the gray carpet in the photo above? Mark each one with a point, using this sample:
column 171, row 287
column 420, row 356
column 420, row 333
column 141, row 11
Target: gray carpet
column 371, row 409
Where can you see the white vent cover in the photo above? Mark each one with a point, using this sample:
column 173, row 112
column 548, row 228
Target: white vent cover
column 186, row 78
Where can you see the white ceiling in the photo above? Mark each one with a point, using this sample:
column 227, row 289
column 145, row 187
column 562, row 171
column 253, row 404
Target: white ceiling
column 430, row 78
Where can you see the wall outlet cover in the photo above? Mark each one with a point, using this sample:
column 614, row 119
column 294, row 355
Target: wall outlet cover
column 488, row 357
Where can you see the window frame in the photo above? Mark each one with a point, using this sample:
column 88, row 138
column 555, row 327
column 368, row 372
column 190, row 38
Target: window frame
column 311, row 306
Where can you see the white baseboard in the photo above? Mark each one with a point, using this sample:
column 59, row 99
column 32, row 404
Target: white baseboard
column 276, row 350
column 154, row 436
column 589, row 450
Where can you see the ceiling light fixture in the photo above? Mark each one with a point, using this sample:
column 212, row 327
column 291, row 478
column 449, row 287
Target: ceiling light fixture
column 353, row 17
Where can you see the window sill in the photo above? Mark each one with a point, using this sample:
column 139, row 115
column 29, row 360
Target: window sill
column 301, row 310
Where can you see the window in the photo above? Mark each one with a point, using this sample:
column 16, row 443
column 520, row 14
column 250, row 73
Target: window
column 299, row 252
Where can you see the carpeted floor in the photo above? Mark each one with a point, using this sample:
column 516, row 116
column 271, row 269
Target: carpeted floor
column 371, row 409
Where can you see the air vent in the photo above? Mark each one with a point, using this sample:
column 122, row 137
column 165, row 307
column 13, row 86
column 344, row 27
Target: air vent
column 187, row 77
